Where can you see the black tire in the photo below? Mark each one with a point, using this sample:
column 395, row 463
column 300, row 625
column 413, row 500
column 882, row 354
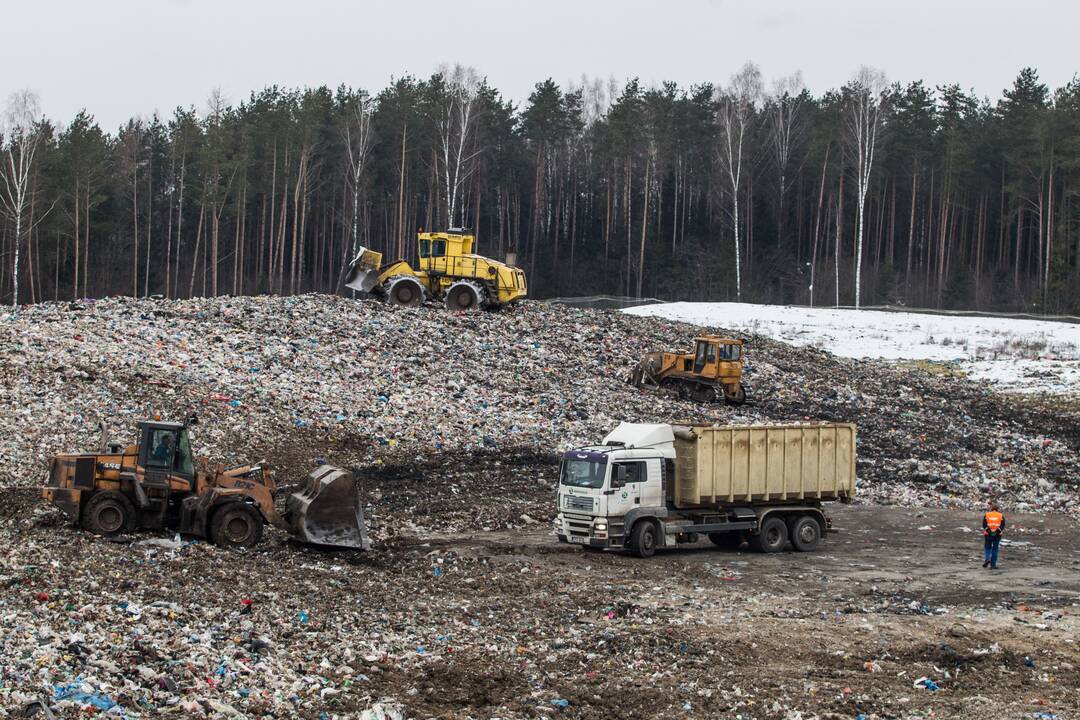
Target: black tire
column 405, row 292
column 462, row 297
column 727, row 540
column 108, row 513
column 736, row 398
column 236, row 524
column 771, row 537
column 643, row 539
column 805, row 533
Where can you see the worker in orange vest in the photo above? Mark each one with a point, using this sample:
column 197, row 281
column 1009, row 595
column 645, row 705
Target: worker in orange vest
column 993, row 523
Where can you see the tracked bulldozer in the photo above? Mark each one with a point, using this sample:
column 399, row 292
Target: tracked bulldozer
column 156, row 483
column 447, row 272
column 712, row 373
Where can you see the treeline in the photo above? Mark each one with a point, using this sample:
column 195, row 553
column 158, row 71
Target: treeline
column 872, row 193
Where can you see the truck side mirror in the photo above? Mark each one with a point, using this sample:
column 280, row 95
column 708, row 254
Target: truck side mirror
column 620, row 476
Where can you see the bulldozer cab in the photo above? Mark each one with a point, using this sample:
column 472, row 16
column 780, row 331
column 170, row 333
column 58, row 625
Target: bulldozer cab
column 165, row 450
column 712, row 356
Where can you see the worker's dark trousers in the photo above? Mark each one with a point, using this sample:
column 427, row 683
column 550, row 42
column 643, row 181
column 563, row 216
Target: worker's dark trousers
column 990, row 545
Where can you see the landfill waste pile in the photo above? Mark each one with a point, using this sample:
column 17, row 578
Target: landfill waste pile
column 291, row 380
column 508, row 624
column 467, row 607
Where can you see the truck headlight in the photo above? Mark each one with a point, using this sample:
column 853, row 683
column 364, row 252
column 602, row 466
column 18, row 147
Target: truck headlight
column 600, row 526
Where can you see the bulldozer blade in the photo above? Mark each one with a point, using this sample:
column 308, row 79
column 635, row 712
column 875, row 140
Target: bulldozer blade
column 328, row 510
column 644, row 374
column 363, row 273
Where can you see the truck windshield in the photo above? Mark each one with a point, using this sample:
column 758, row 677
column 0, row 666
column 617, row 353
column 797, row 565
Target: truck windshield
column 583, row 473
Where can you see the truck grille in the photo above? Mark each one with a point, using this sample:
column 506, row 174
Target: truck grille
column 576, row 502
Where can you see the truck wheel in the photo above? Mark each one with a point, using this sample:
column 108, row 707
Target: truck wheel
column 643, row 539
column 236, row 524
column 771, row 537
column 805, row 533
column 727, row 540
column 108, row 513
column 405, row 291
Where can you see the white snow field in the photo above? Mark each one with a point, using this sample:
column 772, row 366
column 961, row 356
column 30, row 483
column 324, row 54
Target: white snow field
column 1012, row 354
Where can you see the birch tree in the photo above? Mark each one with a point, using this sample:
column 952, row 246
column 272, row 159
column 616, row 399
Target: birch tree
column 736, row 108
column 785, row 133
column 455, row 121
column 863, row 121
column 22, row 132
column 358, row 138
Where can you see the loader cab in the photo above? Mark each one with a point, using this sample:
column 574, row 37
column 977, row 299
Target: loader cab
column 165, row 449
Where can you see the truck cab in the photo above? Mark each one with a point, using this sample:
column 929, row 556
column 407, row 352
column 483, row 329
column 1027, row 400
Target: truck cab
column 604, row 488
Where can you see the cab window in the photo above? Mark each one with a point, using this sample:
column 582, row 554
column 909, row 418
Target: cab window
column 439, row 248
column 635, row 473
column 161, row 449
column 712, row 354
column 425, row 248
column 730, row 352
column 702, row 350
column 184, row 464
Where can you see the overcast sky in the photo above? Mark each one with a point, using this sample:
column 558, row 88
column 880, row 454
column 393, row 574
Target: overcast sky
column 119, row 58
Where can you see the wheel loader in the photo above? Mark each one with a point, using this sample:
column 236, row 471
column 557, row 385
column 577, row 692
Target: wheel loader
column 448, row 272
column 712, row 373
column 156, row 483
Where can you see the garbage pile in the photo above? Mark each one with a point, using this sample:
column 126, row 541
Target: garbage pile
column 293, row 379
column 454, row 421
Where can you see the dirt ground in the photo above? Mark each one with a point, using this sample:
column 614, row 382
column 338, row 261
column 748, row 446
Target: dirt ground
column 508, row 623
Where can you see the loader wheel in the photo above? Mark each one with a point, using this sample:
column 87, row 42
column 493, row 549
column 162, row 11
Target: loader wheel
column 108, row 513
column 805, row 533
column 643, row 539
column 771, row 537
column 236, row 524
column 462, row 296
column 406, row 292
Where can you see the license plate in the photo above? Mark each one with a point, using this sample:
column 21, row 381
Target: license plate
column 579, row 540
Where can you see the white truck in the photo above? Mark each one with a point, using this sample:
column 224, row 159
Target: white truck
column 650, row 486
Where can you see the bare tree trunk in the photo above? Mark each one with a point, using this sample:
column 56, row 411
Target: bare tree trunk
column 195, row 257
column 839, row 233
column 644, row 224
column 75, row 282
column 179, row 224
column 149, row 216
column 86, row 242
column 135, row 227
column 400, row 233
column 214, row 228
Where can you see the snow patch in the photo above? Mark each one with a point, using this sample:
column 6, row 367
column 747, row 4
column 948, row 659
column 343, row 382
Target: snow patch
column 1012, row 354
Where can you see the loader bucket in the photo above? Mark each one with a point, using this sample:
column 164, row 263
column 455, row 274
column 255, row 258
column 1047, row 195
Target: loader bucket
column 363, row 273
column 328, row 510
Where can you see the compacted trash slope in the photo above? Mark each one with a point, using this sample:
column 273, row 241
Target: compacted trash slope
column 290, row 380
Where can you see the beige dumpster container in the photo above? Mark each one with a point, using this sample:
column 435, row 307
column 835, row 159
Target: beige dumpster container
column 763, row 463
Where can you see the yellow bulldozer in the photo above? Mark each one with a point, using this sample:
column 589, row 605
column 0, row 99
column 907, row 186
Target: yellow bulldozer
column 447, row 271
column 712, row 373
column 156, row 483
